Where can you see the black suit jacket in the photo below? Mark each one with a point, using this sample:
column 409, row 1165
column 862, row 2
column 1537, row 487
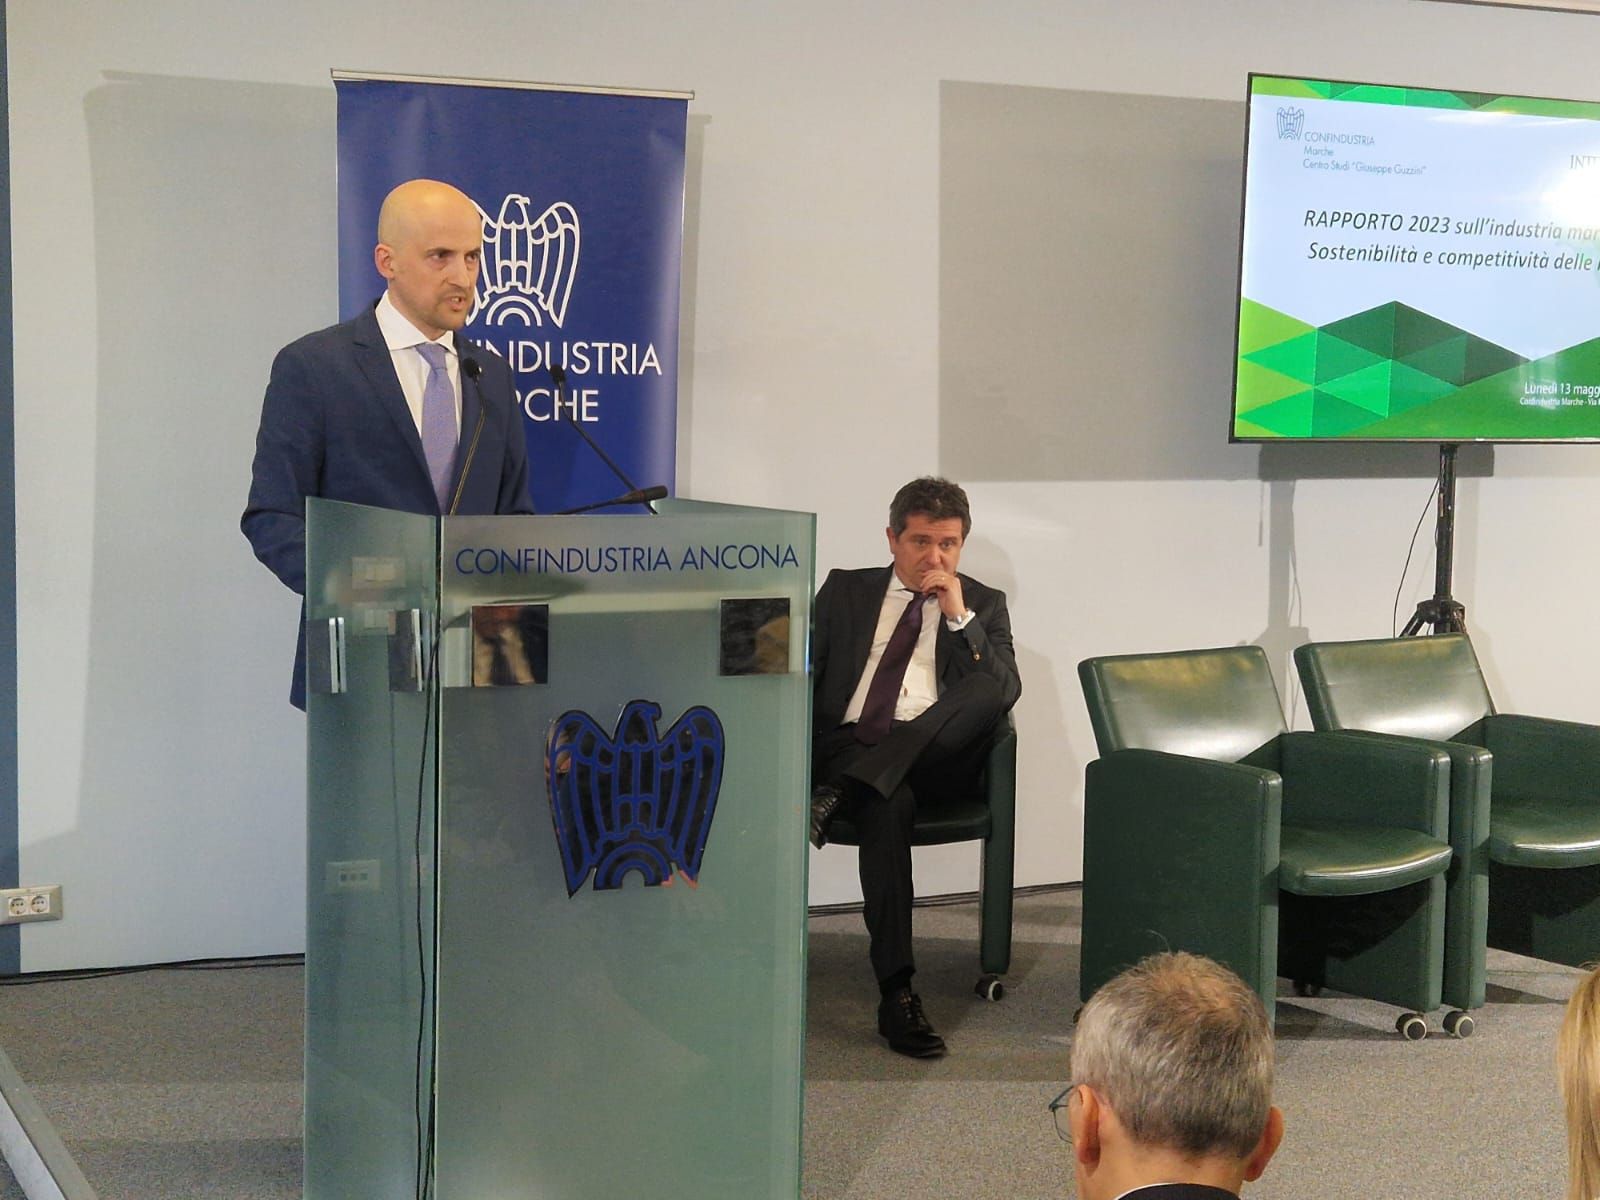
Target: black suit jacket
column 335, row 424
column 846, row 616
column 1179, row 1191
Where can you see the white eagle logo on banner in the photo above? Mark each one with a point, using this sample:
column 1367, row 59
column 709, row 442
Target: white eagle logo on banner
column 528, row 265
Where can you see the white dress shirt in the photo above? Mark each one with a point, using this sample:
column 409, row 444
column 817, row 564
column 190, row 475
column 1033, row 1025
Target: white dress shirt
column 920, row 688
column 403, row 338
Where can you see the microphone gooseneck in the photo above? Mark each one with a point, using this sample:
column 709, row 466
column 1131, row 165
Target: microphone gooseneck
column 636, row 494
column 470, row 369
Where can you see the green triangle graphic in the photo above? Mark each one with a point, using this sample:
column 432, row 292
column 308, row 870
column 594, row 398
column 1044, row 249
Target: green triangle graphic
column 1289, row 417
column 1366, row 93
column 1415, row 330
column 1485, row 359
column 1366, row 389
column 1245, row 429
column 1386, row 388
column 1261, row 326
column 1259, row 385
column 1276, row 85
column 1372, row 330
column 1337, row 357
column 1422, row 98
column 1396, row 371
column 1333, row 417
column 1446, row 360
column 1360, row 93
column 1409, row 388
column 1296, row 358
column 1393, row 330
column 1496, row 408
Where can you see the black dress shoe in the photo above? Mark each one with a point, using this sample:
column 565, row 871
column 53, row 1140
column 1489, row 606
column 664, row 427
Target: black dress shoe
column 901, row 1021
column 826, row 801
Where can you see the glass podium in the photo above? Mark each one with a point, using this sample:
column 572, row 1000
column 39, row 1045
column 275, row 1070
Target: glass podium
column 557, row 807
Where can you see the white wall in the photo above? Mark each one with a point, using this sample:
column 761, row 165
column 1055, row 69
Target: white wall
column 172, row 203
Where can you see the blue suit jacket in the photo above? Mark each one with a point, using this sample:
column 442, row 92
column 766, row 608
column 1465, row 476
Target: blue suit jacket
column 335, row 424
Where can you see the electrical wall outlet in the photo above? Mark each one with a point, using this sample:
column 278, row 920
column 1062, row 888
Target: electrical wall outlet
column 353, row 875
column 30, row 904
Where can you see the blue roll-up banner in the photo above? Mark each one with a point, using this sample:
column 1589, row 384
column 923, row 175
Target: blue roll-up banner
column 582, row 200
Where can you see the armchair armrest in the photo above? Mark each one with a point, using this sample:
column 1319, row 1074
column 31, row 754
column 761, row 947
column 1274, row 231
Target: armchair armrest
column 1180, row 853
column 997, row 876
column 1470, row 768
column 1368, row 778
column 1543, row 758
column 1000, row 773
column 1194, row 805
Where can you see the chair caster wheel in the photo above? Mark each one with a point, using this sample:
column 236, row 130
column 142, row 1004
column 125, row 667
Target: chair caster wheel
column 1305, row 988
column 1411, row 1026
column 1459, row 1024
column 989, row 987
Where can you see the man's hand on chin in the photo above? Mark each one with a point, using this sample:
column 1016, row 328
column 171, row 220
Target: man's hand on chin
column 946, row 585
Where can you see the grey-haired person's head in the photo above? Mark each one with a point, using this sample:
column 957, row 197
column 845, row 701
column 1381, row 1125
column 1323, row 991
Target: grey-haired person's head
column 1181, row 1049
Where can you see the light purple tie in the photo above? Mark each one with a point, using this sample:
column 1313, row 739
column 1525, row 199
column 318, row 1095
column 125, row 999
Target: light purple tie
column 438, row 422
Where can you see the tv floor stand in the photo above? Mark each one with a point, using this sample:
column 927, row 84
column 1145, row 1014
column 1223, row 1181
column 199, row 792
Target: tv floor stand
column 1441, row 611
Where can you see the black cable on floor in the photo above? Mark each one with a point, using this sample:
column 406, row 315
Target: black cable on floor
column 193, row 964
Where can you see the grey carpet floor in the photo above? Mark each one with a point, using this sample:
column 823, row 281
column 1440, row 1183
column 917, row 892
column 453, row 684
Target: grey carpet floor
column 1367, row 1114
column 168, row 1084
column 176, row 1084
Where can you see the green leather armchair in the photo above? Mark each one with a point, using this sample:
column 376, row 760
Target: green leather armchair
column 1208, row 827
column 1524, row 797
column 988, row 815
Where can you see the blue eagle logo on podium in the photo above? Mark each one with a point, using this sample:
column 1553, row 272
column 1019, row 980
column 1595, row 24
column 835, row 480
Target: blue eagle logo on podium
column 634, row 800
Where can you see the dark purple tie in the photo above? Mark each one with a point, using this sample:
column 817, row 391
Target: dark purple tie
column 877, row 713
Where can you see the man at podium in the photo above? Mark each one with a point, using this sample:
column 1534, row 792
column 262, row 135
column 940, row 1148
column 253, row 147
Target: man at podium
column 913, row 669
column 394, row 408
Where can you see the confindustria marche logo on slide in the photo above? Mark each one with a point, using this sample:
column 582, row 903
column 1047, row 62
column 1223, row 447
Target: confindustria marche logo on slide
column 1292, row 128
column 529, row 264
column 633, row 801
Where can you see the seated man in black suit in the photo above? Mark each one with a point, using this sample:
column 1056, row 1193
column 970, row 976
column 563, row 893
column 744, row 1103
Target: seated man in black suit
column 913, row 670
column 1171, row 1096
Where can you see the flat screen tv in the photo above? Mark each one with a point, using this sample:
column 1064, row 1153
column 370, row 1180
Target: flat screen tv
column 1417, row 265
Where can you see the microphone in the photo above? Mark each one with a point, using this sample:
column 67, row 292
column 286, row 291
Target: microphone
column 470, row 369
column 647, row 495
column 636, row 494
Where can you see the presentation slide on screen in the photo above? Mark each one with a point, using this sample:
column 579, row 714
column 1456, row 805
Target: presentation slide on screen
column 1418, row 264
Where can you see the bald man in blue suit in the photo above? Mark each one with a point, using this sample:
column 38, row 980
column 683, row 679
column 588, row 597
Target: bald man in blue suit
column 342, row 417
